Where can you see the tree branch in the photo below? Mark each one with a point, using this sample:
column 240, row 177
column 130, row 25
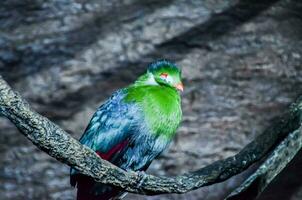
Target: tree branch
column 51, row 139
column 273, row 165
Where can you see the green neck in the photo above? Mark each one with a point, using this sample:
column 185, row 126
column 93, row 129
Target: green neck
column 160, row 105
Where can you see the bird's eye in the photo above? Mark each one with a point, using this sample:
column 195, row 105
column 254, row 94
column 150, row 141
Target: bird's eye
column 164, row 75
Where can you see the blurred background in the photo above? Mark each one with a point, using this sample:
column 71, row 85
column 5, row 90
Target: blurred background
column 241, row 62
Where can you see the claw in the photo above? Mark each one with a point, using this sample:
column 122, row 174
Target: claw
column 142, row 176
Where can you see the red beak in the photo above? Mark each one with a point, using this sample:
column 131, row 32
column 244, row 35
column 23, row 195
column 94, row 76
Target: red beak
column 179, row 86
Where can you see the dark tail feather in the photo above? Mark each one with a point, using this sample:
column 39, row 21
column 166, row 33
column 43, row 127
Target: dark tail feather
column 91, row 190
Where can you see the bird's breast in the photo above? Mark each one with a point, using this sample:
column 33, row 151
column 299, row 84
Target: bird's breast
column 160, row 107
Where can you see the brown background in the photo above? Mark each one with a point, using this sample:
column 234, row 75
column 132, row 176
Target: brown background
column 241, row 63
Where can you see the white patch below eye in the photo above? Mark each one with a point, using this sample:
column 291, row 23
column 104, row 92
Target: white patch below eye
column 169, row 79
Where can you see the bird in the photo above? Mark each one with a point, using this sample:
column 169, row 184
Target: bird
column 133, row 127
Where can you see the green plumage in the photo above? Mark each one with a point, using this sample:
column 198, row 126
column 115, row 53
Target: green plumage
column 133, row 126
column 160, row 105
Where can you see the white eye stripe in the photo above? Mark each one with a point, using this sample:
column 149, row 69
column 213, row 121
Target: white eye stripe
column 169, row 79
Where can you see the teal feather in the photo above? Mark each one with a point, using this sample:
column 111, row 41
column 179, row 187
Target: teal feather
column 132, row 127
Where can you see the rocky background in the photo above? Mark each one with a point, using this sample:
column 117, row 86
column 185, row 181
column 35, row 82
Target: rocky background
column 241, row 62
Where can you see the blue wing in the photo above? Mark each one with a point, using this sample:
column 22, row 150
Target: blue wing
column 119, row 134
column 112, row 124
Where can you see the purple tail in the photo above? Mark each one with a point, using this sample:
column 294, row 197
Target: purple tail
column 88, row 189
column 91, row 190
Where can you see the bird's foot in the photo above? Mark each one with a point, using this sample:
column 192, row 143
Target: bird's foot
column 142, row 175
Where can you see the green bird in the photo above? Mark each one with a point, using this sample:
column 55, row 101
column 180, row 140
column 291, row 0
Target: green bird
column 133, row 127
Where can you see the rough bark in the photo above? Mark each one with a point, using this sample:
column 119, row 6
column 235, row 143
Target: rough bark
column 241, row 63
column 57, row 143
column 277, row 161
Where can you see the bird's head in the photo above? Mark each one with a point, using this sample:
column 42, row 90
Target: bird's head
column 166, row 73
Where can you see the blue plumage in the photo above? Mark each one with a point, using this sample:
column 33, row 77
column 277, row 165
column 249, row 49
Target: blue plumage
column 133, row 127
column 111, row 124
column 119, row 134
column 160, row 64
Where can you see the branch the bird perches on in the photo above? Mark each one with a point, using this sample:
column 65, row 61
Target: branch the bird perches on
column 53, row 140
